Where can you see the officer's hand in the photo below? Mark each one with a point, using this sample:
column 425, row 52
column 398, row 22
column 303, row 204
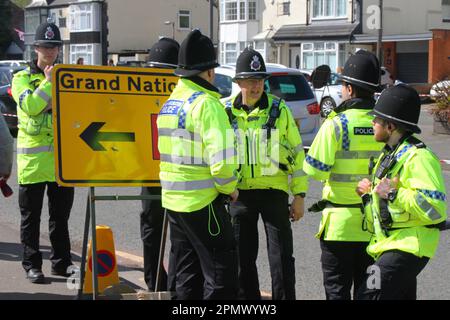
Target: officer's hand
column 234, row 195
column 363, row 187
column 297, row 208
column 48, row 73
column 386, row 185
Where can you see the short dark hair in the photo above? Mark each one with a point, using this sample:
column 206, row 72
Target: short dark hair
column 359, row 92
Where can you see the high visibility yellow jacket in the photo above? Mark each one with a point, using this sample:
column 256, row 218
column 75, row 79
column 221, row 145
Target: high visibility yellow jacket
column 266, row 163
column 196, row 144
column 339, row 156
column 35, row 159
column 420, row 202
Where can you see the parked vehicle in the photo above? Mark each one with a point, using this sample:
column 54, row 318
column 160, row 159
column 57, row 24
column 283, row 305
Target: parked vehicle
column 286, row 83
column 440, row 90
column 7, row 104
column 330, row 95
column 13, row 63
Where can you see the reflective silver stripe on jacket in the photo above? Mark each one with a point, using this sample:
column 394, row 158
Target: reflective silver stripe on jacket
column 44, row 96
column 298, row 148
column 187, row 185
column 222, row 155
column 427, row 207
column 186, row 160
column 34, row 150
column 337, row 130
column 179, row 133
column 362, row 154
column 222, row 181
column 298, row 173
column 338, row 177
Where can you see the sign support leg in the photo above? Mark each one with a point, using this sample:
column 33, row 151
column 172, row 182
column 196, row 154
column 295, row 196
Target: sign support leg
column 94, row 244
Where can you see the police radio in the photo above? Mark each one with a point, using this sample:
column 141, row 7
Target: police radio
column 386, row 164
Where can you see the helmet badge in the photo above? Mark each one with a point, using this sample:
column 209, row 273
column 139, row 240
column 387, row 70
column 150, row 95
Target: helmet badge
column 49, row 34
column 255, row 64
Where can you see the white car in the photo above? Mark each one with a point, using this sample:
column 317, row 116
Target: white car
column 440, row 89
column 286, row 83
column 13, row 63
column 328, row 96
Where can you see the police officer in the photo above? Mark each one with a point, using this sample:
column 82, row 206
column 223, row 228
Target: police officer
column 163, row 54
column 261, row 119
column 405, row 199
column 197, row 172
column 32, row 89
column 340, row 155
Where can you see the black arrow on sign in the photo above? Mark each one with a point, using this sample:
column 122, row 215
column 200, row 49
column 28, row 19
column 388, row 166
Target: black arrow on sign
column 92, row 136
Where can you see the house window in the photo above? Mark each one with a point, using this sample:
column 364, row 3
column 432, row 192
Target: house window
column 241, row 10
column 62, row 22
column 184, row 19
column 252, row 10
column 85, row 51
column 284, row 8
column 318, row 53
column 229, row 52
column 445, row 10
column 260, row 47
column 31, row 20
column 81, row 17
column 237, row 10
column 329, row 9
column 229, row 9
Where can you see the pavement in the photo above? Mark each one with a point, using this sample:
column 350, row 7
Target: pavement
column 15, row 286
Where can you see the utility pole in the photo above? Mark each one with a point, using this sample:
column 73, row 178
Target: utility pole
column 380, row 33
column 211, row 20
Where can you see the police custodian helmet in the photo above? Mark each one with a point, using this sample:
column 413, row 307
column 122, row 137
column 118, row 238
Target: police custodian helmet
column 196, row 55
column 399, row 104
column 363, row 70
column 164, row 54
column 47, row 35
column 250, row 64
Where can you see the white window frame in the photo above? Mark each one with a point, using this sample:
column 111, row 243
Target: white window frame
column 242, row 8
column 77, row 11
column 333, row 15
column 184, row 13
column 309, row 47
column 250, row 17
column 85, row 51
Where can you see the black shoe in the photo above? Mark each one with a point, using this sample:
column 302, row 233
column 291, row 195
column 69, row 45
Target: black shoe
column 35, row 276
column 67, row 272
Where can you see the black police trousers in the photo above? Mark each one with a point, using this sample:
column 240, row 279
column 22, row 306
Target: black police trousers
column 203, row 253
column 273, row 206
column 344, row 263
column 152, row 216
column 393, row 277
column 60, row 201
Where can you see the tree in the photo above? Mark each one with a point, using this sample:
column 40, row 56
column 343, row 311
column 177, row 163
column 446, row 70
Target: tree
column 5, row 26
column 21, row 3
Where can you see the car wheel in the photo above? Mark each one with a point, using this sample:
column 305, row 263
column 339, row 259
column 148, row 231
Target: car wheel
column 326, row 106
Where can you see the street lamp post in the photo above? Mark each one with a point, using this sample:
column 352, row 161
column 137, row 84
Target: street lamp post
column 173, row 27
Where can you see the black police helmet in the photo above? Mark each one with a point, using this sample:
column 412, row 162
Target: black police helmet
column 399, row 104
column 47, row 35
column 363, row 70
column 164, row 54
column 250, row 64
column 196, row 55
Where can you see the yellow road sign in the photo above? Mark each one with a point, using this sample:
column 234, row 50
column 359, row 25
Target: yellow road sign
column 105, row 124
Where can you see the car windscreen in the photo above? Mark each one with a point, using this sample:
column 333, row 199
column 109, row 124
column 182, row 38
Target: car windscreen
column 5, row 78
column 289, row 87
column 224, row 84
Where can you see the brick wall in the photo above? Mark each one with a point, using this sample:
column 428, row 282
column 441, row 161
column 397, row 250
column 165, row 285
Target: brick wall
column 439, row 53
